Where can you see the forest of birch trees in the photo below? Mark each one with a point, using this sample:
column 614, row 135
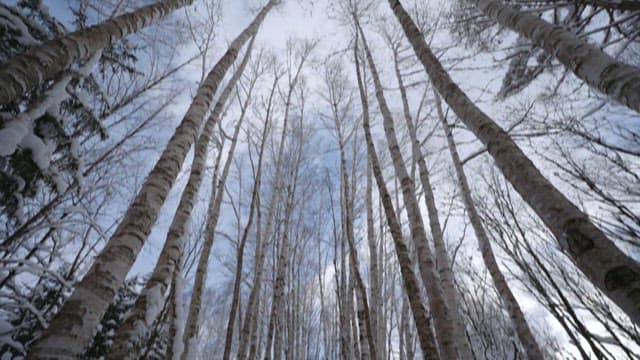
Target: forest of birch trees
column 328, row 179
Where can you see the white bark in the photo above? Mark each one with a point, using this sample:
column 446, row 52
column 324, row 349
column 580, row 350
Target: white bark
column 133, row 332
column 72, row 329
column 527, row 339
column 213, row 215
column 443, row 265
column 423, row 324
column 611, row 270
column 598, row 69
column 445, row 331
column 43, row 62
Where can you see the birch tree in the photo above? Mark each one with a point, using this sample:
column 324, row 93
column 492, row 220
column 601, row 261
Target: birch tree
column 245, row 234
column 132, row 333
column 213, row 215
column 41, row 63
column 611, row 270
column 423, row 323
column 443, row 265
column 509, row 301
column 445, row 331
column 75, row 324
column 598, row 69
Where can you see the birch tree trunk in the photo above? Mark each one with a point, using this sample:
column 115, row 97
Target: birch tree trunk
column 611, row 270
column 366, row 339
column 42, row 63
column 249, row 333
column 598, row 69
column 72, row 329
column 445, row 332
column 423, row 324
column 176, row 327
column 239, row 262
column 132, row 332
column 527, row 339
column 443, row 265
column 275, row 328
column 250, row 319
column 374, row 275
column 213, row 214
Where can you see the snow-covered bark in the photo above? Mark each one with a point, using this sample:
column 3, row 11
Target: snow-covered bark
column 73, row 327
column 423, row 323
column 527, row 339
column 601, row 71
column 445, row 331
column 611, row 270
column 131, row 335
column 43, row 62
column 19, row 131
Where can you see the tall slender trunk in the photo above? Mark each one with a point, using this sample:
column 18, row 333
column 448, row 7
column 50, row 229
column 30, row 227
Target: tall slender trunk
column 253, row 304
column 598, row 69
column 275, row 328
column 423, row 324
column 250, row 318
column 176, row 326
column 213, row 215
column 241, row 245
column 616, row 274
column 443, row 265
column 72, row 329
column 366, row 339
column 520, row 324
column 374, row 275
column 42, row 63
column 445, row 331
column 133, row 331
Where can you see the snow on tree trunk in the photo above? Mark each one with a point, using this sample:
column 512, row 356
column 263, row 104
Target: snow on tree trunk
column 133, row 332
column 18, row 131
column 601, row 71
column 527, row 339
column 72, row 329
column 423, row 323
column 445, row 331
column 608, row 268
column 43, row 62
